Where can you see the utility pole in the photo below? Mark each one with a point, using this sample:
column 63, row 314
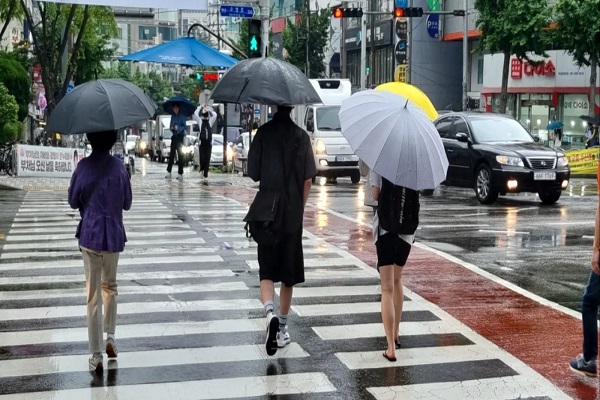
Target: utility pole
column 465, row 55
column 307, row 38
column 264, row 33
column 372, row 63
column 363, row 52
column 409, row 42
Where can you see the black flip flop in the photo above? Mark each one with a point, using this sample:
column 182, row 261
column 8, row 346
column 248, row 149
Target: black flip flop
column 390, row 359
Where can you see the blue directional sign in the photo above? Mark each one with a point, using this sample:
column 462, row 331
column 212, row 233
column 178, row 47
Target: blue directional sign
column 433, row 25
column 401, row 3
column 236, row 11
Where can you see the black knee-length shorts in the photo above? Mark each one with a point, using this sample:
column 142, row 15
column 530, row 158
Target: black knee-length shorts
column 391, row 250
column 283, row 262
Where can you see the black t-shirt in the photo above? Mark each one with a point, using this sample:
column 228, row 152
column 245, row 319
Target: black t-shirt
column 271, row 153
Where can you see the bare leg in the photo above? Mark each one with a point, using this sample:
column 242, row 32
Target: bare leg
column 267, row 290
column 387, row 307
column 285, row 299
column 398, row 300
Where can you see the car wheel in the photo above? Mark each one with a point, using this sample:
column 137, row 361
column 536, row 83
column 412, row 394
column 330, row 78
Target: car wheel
column 485, row 192
column 549, row 198
column 355, row 177
column 427, row 192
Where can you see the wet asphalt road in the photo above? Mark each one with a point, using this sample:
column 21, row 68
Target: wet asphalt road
column 543, row 249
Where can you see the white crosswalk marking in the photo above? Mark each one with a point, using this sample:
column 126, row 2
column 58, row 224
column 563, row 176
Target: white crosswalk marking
column 191, row 324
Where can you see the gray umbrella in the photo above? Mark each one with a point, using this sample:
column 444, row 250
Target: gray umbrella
column 265, row 81
column 101, row 105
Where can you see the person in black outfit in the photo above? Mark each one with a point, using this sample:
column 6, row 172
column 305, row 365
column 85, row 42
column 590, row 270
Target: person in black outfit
column 282, row 149
column 205, row 117
column 177, row 126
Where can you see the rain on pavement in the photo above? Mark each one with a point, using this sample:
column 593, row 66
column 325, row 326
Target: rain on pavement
column 190, row 320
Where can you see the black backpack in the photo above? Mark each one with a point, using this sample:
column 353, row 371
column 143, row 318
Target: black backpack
column 398, row 208
column 205, row 133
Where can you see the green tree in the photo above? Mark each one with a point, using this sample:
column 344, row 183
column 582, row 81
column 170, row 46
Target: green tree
column 9, row 115
column 242, row 42
column 577, row 30
column 94, row 50
column 9, row 10
column 120, row 70
column 58, row 23
column 16, row 80
column 295, row 39
column 513, row 27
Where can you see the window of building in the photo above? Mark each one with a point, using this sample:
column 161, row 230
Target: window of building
column 480, row 71
column 168, row 34
column 147, row 32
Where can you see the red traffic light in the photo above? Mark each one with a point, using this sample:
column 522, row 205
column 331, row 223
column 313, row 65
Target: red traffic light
column 347, row 13
column 399, row 12
column 409, row 12
column 211, row 76
column 338, row 13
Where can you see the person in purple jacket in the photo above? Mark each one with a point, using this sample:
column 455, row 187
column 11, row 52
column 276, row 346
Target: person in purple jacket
column 100, row 188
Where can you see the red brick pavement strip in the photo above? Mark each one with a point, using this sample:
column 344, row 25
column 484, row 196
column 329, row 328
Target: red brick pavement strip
column 542, row 337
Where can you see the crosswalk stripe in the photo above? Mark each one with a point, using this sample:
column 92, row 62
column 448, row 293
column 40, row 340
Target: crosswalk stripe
column 146, row 359
column 218, row 212
column 355, row 273
column 128, row 229
column 239, row 387
column 27, row 238
column 121, row 276
column 315, row 310
column 342, row 332
column 124, row 290
column 315, row 263
column 302, row 292
column 59, row 244
column 505, row 388
column 125, row 261
column 75, row 222
column 75, row 215
column 128, row 253
column 135, row 331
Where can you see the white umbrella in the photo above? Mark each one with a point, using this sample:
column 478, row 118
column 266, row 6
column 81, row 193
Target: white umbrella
column 395, row 138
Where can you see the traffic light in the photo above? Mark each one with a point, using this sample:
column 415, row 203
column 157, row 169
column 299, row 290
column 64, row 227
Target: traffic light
column 254, row 40
column 347, row 13
column 199, row 76
column 408, row 12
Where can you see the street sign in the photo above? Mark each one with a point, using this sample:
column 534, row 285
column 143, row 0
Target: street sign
column 236, row 11
column 401, row 52
column 257, row 111
column 70, row 87
column 402, row 29
column 401, row 3
column 400, row 73
column 433, row 25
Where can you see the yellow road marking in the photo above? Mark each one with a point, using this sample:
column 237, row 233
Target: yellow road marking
column 2, row 236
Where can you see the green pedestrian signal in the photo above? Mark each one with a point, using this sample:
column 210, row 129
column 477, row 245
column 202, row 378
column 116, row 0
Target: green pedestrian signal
column 199, row 76
column 253, row 44
column 254, row 38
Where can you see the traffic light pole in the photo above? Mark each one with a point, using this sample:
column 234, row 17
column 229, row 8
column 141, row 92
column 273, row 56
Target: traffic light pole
column 363, row 52
column 465, row 56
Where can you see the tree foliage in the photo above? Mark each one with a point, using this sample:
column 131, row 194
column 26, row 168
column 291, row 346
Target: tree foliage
column 513, row 27
column 577, row 30
column 242, row 42
column 16, row 80
column 295, row 38
column 9, row 115
column 58, row 23
column 153, row 84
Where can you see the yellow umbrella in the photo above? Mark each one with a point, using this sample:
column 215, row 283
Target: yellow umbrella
column 412, row 93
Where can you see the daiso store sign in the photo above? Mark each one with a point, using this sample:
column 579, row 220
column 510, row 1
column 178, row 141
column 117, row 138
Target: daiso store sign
column 519, row 68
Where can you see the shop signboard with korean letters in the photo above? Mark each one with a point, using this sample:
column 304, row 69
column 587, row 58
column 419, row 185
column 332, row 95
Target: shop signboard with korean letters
column 556, row 71
column 47, row 161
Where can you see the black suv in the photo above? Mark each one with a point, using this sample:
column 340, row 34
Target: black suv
column 494, row 154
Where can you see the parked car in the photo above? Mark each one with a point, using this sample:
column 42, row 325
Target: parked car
column 216, row 156
column 131, row 143
column 189, row 144
column 495, row 155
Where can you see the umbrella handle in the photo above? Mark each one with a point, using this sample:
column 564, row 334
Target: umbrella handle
column 406, row 105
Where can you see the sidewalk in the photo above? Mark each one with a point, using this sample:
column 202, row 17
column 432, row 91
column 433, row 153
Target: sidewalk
column 543, row 335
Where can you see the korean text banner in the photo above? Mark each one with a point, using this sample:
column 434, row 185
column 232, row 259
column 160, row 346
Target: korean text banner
column 47, row 161
column 199, row 5
column 583, row 162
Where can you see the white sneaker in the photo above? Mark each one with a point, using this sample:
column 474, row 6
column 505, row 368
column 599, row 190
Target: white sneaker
column 168, row 176
column 95, row 363
column 283, row 338
column 179, row 177
column 272, row 329
column 111, row 348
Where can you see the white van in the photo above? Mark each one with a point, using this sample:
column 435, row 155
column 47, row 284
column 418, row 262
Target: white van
column 333, row 154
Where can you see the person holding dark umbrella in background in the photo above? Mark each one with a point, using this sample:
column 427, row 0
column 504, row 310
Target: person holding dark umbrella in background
column 180, row 108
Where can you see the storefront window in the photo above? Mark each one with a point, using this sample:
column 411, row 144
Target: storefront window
column 574, row 106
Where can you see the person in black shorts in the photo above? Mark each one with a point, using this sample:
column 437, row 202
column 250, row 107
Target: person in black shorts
column 392, row 254
column 281, row 149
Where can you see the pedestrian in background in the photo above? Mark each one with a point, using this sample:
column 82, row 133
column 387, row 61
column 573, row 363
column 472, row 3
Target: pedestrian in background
column 100, row 188
column 177, row 126
column 281, row 159
column 394, row 227
column 365, row 173
column 585, row 363
column 205, row 117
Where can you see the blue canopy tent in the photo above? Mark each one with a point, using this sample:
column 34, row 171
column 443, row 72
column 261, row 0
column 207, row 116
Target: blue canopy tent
column 186, row 51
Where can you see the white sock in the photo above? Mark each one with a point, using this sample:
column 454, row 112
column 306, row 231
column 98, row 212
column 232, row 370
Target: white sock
column 110, row 336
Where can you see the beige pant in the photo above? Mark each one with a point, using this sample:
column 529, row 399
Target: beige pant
column 101, row 280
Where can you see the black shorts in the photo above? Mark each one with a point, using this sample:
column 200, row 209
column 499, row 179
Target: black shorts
column 391, row 250
column 283, row 262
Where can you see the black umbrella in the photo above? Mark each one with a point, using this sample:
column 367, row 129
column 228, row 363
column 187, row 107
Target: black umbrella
column 265, row 81
column 185, row 106
column 595, row 120
column 101, row 105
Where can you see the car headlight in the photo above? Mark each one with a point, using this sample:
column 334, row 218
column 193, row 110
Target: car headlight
column 321, row 147
column 143, row 145
column 188, row 149
column 563, row 161
column 229, row 153
column 512, row 161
